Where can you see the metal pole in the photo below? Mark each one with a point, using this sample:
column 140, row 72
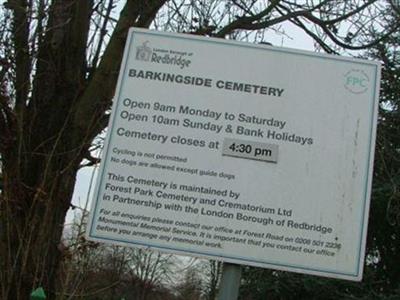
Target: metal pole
column 230, row 282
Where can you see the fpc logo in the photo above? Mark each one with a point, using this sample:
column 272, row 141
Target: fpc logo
column 356, row 81
column 143, row 52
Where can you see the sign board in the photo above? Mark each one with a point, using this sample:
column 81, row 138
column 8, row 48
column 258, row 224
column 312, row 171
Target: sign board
column 238, row 152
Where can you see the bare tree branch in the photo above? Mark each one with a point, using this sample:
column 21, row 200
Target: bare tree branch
column 329, row 33
column 103, row 31
column 20, row 28
column 8, row 123
column 100, row 90
column 247, row 22
column 395, row 6
column 315, row 37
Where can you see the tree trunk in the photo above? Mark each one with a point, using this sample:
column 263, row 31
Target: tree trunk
column 46, row 131
column 33, row 225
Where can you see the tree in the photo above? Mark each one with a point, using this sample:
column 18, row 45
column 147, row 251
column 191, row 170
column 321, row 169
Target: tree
column 59, row 65
column 91, row 270
column 212, row 271
column 384, row 229
column 381, row 276
column 190, row 287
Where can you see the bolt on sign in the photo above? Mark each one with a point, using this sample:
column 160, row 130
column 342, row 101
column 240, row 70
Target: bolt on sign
column 238, row 152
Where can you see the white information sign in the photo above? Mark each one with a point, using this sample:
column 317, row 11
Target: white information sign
column 238, row 152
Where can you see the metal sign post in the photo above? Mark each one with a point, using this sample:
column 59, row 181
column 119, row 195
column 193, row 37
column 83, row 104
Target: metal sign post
column 230, row 282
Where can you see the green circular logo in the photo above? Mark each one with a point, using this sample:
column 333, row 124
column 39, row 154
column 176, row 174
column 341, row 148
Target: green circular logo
column 356, row 81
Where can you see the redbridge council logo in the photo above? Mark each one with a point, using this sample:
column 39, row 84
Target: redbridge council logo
column 146, row 53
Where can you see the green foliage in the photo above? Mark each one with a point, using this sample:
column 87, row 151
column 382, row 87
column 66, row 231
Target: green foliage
column 384, row 229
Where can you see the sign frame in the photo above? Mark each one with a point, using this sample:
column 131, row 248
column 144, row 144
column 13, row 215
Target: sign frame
column 218, row 255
